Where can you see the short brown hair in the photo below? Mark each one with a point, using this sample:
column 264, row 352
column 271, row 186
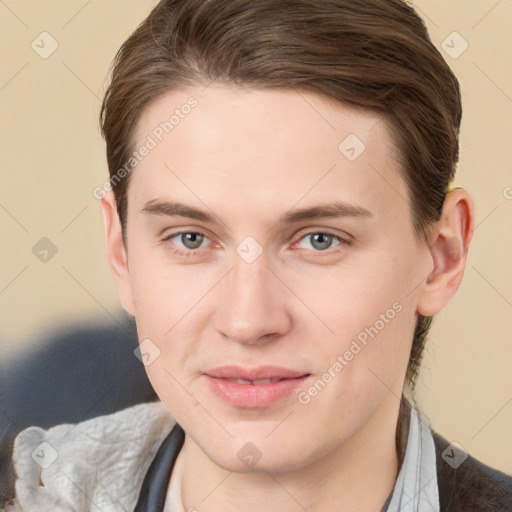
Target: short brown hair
column 373, row 54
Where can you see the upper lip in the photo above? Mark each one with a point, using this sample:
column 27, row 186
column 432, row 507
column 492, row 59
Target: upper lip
column 259, row 373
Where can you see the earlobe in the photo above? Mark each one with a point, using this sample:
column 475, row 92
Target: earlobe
column 448, row 248
column 116, row 251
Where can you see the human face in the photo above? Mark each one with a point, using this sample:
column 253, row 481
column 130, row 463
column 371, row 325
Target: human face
column 260, row 287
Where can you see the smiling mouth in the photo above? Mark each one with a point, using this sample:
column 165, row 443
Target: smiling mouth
column 256, row 388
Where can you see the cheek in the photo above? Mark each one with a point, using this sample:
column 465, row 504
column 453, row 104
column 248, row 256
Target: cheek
column 164, row 293
column 350, row 297
column 169, row 300
column 369, row 311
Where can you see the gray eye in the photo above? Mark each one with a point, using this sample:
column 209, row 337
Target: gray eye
column 191, row 240
column 321, row 241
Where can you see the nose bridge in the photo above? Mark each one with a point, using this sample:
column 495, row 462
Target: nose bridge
column 252, row 305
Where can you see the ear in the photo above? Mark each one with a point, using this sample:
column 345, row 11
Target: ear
column 448, row 246
column 116, row 251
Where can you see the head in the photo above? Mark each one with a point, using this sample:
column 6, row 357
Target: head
column 251, row 111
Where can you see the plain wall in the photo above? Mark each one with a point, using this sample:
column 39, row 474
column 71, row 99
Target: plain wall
column 52, row 157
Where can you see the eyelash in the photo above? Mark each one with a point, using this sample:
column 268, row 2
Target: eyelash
column 194, row 252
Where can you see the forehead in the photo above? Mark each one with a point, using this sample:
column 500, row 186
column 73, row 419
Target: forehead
column 273, row 146
column 277, row 115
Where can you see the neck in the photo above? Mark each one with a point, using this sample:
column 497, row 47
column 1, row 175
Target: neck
column 339, row 480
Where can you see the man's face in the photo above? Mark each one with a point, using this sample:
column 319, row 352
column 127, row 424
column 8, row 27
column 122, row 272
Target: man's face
column 332, row 299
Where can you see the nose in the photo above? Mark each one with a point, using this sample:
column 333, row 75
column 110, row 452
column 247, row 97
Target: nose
column 253, row 306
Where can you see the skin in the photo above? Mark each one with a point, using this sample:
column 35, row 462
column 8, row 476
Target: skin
column 249, row 157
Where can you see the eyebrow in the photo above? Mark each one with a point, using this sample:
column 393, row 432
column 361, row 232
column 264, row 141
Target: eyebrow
column 333, row 209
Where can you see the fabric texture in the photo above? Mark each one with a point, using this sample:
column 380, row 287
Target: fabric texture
column 472, row 486
column 98, row 464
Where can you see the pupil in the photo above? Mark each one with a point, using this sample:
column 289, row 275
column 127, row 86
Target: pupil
column 325, row 244
column 194, row 238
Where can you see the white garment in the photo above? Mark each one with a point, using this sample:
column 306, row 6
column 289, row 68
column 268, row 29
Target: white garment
column 98, row 464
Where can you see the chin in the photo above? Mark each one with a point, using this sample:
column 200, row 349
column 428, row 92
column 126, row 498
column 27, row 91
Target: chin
column 275, row 462
column 254, row 451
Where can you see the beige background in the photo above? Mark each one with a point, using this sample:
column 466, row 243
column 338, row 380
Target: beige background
column 52, row 157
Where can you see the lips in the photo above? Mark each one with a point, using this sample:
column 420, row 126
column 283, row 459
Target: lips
column 253, row 388
column 255, row 374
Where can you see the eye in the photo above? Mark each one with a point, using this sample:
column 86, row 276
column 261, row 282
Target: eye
column 321, row 241
column 190, row 239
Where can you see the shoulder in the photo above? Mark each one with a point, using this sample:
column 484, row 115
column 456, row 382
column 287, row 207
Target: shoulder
column 102, row 460
column 465, row 483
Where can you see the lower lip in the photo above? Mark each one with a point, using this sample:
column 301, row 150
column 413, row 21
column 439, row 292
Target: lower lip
column 253, row 396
